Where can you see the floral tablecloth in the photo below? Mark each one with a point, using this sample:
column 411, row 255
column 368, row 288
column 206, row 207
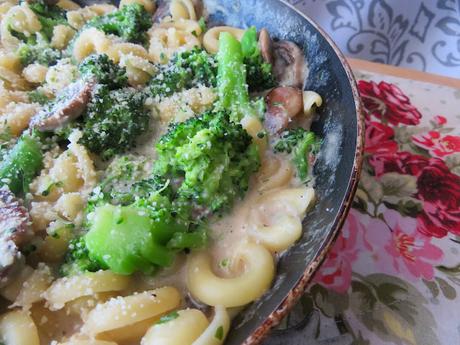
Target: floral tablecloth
column 393, row 275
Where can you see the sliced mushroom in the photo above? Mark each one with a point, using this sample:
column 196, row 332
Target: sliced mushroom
column 163, row 10
column 198, row 5
column 289, row 64
column 283, row 104
column 15, row 232
column 266, row 46
column 70, row 104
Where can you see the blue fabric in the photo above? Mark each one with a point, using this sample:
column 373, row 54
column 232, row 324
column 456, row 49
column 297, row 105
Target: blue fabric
column 418, row 34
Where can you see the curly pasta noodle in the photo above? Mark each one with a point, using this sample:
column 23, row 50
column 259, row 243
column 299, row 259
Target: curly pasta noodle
column 275, row 172
column 182, row 9
column 125, row 311
column 256, row 278
column 78, row 17
column 20, row 19
column 275, row 219
column 88, row 42
column 138, row 69
column 60, row 75
column 86, row 284
column 187, row 25
column 33, row 288
column 117, row 50
column 211, row 37
column 191, row 322
column 185, row 104
column 62, row 34
column 12, row 326
column 164, row 42
column 35, row 73
column 16, row 116
column 221, row 320
column 68, row 5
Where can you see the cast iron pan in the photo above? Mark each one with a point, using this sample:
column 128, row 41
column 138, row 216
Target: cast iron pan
column 337, row 168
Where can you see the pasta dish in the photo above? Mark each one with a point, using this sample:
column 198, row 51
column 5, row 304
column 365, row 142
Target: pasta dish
column 153, row 170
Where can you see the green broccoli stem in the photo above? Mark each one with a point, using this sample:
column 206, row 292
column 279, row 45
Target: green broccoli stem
column 231, row 78
column 249, row 43
column 300, row 155
column 21, row 164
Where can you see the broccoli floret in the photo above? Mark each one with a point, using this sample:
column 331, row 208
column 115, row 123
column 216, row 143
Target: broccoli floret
column 100, row 68
column 259, row 74
column 185, row 70
column 130, row 23
column 37, row 96
column 113, row 121
column 21, row 164
column 213, row 157
column 49, row 16
column 299, row 143
column 77, row 259
column 202, row 65
column 39, row 52
column 127, row 239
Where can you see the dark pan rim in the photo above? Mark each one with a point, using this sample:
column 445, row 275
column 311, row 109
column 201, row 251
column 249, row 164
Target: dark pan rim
column 297, row 291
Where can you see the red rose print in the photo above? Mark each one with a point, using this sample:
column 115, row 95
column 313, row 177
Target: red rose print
column 399, row 162
column 439, row 189
column 386, row 101
column 438, row 145
column 440, row 120
column 379, row 138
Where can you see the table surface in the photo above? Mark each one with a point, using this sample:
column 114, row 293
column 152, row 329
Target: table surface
column 393, row 275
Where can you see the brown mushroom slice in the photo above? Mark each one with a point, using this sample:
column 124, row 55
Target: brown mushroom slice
column 69, row 105
column 289, row 64
column 15, row 232
column 162, row 11
column 266, row 46
column 283, row 104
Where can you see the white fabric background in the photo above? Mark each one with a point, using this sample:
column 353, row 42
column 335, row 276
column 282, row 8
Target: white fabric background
column 418, row 34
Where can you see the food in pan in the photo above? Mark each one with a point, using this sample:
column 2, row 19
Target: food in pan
column 152, row 170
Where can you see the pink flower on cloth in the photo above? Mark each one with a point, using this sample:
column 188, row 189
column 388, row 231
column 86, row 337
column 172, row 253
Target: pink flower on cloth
column 386, row 101
column 379, row 138
column 335, row 272
column 439, row 120
column 402, row 250
column 436, row 144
